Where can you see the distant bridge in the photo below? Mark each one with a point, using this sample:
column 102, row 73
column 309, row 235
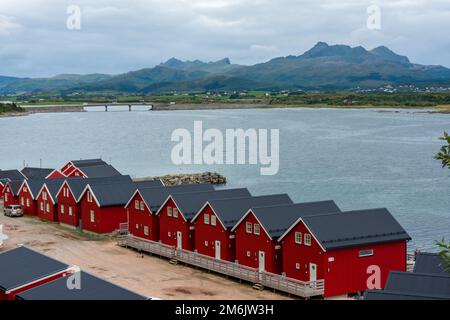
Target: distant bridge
column 107, row 106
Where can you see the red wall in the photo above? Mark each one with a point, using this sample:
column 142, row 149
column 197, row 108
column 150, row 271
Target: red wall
column 348, row 272
column 106, row 219
column 255, row 243
column 67, row 202
column 11, row 198
column 1, row 190
column 75, row 172
column 43, row 214
column 210, row 234
column 56, row 175
column 169, row 226
column 30, row 209
column 138, row 219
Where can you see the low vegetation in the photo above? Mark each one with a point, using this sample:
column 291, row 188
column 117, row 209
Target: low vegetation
column 9, row 108
column 444, row 254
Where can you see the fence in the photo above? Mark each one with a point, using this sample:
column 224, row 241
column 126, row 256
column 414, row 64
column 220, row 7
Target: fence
column 231, row 269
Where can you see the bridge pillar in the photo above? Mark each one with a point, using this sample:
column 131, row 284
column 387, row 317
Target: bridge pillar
column 106, row 108
column 129, row 107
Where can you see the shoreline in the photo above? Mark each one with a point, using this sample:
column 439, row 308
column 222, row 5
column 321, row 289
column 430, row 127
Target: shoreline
column 29, row 110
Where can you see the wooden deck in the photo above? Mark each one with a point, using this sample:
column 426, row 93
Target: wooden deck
column 229, row 269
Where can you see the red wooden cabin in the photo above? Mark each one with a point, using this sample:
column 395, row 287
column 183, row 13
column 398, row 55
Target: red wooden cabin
column 176, row 213
column 28, row 194
column 145, row 202
column 344, row 249
column 47, row 200
column 11, row 193
column 213, row 223
column 258, row 231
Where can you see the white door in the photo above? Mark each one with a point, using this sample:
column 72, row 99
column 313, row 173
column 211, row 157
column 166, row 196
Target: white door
column 179, row 240
column 218, row 250
column 313, row 274
column 262, row 261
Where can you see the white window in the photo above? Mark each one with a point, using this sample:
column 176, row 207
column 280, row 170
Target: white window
column 42, row 206
column 28, row 203
column 206, row 243
column 169, row 234
column 25, row 189
column 44, row 195
column 213, row 220
column 256, row 229
column 249, row 227
column 206, row 218
column 92, row 216
column 48, row 207
column 297, row 266
column 146, row 230
column 77, row 174
column 6, row 197
column 169, row 211
column 248, row 253
column 175, row 212
column 366, row 253
column 89, row 196
column 62, row 209
column 22, row 201
column 137, row 226
column 136, row 204
column 142, row 206
column 307, row 239
column 298, row 238
column 70, row 211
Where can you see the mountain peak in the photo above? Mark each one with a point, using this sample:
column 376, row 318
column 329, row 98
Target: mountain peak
column 173, row 62
column 322, row 49
column 387, row 54
column 223, row 61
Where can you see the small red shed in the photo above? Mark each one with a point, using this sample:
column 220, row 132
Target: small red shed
column 176, row 213
column 145, row 202
column 257, row 232
column 47, row 200
column 347, row 250
column 28, row 194
column 213, row 223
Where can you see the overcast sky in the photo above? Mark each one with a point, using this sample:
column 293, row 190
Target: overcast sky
column 122, row 35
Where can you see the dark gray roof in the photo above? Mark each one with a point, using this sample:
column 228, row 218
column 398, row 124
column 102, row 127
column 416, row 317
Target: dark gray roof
column 190, row 203
column 15, row 186
column 117, row 193
column 230, row 211
column 22, row 265
column 355, row 228
column 276, row 220
column 53, row 186
column 11, row 175
column 155, row 197
column 420, row 284
column 394, row 295
column 100, row 171
column 77, row 185
column 36, row 173
column 88, row 162
column 429, row 263
column 35, row 185
column 92, row 288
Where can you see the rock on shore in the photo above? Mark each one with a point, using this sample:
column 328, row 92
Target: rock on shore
column 193, row 178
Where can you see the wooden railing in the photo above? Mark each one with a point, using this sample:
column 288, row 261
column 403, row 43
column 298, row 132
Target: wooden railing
column 231, row 269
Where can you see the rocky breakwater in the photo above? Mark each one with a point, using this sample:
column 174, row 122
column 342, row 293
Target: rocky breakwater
column 190, row 178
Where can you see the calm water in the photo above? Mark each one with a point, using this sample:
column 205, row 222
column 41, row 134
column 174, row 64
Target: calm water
column 359, row 158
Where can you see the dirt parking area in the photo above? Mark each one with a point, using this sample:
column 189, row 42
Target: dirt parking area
column 149, row 276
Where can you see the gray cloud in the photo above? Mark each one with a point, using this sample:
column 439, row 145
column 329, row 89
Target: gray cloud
column 118, row 36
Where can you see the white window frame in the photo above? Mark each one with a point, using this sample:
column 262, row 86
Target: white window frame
column 175, row 212
column 70, row 211
column 213, row 220
column 249, row 227
column 47, row 208
column 256, row 226
column 62, row 209
column 298, row 237
column 136, row 204
column 22, row 201
column 169, row 211
column 307, row 239
column 92, row 216
column 206, row 219
column 89, row 196
column 297, row 265
column 42, row 206
column 142, row 206
column 365, row 253
column 146, row 231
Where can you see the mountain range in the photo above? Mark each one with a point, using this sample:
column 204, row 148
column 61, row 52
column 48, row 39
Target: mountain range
column 323, row 67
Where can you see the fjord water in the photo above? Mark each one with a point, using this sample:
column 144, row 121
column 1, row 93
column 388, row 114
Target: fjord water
column 359, row 158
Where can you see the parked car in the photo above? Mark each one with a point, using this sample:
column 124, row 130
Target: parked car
column 13, row 211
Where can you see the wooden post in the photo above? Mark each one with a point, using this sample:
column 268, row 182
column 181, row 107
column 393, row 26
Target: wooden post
column 106, row 108
column 129, row 107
